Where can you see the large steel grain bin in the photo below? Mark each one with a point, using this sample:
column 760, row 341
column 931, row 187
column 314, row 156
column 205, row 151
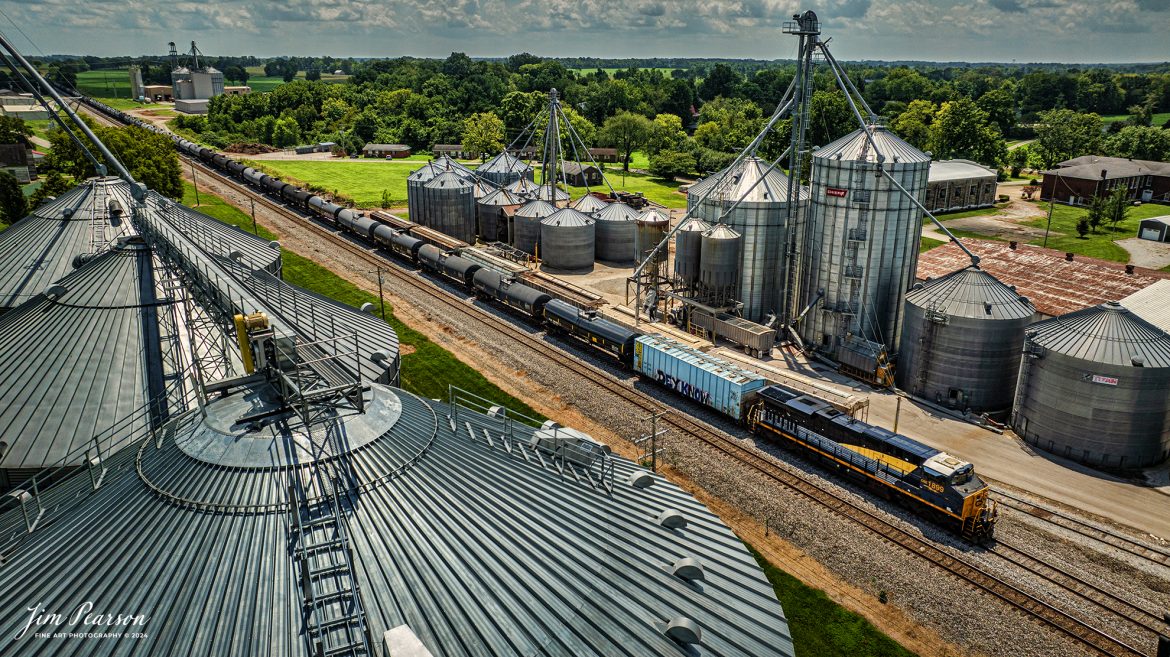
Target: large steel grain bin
column 450, row 205
column 552, row 194
column 688, row 249
column 1093, row 388
column 415, row 204
column 758, row 193
column 861, row 245
column 504, row 169
column 719, row 269
column 652, row 226
column 589, row 204
column 701, row 377
column 526, row 225
column 489, row 214
column 567, row 239
column 961, row 341
column 616, row 225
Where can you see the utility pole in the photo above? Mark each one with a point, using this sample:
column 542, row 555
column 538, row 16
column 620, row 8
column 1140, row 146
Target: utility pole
column 652, row 438
column 1051, row 205
column 255, row 230
column 195, row 183
column 381, row 299
column 897, row 413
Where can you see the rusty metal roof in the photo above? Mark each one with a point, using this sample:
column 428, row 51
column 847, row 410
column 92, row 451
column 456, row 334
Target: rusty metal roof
column 1052, row 283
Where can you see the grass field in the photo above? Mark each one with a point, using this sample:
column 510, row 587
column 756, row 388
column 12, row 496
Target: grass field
column 260, row 82
column 926, row 243
column 122, row 103
column 105, row 83
column 981, row 212
column 1098, row 245
column 427, row 371
column 820, row 626
column 1156, row 121
column 363, row 181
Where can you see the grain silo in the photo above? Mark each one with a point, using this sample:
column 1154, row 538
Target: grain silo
column 961, row 340
column 589, row 204
column 719, row 268
column 860, row 244
column 567, row 239
column 526, row 225
column 449, row 205
column 445, row 163
column 504, row 169
column 552, row 194
column 488, row 212
column 761, row 217
column 524, row 188
column 688, row 249
column 652, row 226
column 616, row 227
column 481, row 188
column 1092, row 388
column 414, row 190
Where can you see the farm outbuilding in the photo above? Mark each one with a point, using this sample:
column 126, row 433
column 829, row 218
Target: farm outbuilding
column 386, row 150
column 581, row 175
column 1155, row 228
column 955, row 185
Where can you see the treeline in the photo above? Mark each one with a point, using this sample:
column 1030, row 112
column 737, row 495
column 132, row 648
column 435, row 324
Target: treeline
column 955, row 112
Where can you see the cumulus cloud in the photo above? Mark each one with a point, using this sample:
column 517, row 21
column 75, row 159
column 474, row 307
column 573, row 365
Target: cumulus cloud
column 976, row 30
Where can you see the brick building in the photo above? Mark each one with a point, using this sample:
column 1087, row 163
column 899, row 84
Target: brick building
column 1077, row 180
column 955, row 185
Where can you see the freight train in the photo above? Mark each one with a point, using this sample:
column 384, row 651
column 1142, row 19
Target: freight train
column 933, row 484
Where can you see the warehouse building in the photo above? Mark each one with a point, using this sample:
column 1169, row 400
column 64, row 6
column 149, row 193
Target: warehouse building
column 581, row 175
column 1077, row 180
column 1055, row 282
column 955, row 185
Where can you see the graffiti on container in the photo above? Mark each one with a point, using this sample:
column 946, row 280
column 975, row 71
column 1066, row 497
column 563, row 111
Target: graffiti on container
column 684, row 388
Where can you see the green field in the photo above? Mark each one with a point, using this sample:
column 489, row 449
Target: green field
column 1157, row 120
column 260, row 82
column 981, row 212
column 820, row 626
column 926, row 243
column 427, row 371
column 1094, row 245
column 122, row 103
column 363, row 181
column 105, row 83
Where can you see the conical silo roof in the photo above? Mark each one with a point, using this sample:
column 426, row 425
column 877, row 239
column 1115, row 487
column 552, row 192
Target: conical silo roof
column 856, row 147
column 448, row 180
column 501, row 197
column 617, row 211
column 722, row 232
column 1108, row 334
column 523, row 186
column 695, row 224
column 745, row 183
column 972, row 293
column 567, row 217
column 425, row 172
column 537, row 209
column 446, row 163
column 482, row 188
column 589, row 204
column 558, row 194
column 653, row 216
column 504, row 163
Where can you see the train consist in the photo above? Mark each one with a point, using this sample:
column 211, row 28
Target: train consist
column 935, row 485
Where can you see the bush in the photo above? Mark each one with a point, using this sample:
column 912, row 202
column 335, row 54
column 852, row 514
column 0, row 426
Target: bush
column 1083, row 227
column 671, row 164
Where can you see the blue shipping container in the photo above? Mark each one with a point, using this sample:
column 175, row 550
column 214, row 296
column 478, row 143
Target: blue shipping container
column 694, row 374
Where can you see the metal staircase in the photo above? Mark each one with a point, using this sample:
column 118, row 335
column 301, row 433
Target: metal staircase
column 98, row 220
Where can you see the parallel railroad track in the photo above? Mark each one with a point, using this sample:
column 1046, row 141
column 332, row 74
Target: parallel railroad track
column 1094, row 639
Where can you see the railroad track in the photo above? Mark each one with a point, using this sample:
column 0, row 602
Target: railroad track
column 1100, row 534
column 1096, row 640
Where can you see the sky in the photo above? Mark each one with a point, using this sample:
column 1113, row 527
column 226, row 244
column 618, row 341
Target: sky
column 1071, row 31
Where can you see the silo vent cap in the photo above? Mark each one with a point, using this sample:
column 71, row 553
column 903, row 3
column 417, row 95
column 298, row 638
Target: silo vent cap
column 1138, row 361
column 671, row 519
column 689, row 569
column 684, row 630
column 640, row 479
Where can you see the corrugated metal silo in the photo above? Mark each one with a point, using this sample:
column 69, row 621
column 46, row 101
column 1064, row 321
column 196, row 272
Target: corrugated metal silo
column 567, row 239
column 719, row 269
column 589, row 204
column 616, row 227
column 415, row 204
column 652, row 226
column 524, row 188
column 861, row 241
column 688, row 250
column 761, row 218
column 449, row 200
column 504, row 169
column 961, row 341
column 526, row 226
column 1092, row 388
column 487, row 211
column 552, row 194
column 445, row 163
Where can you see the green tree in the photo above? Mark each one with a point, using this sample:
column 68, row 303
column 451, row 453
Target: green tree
column 626, row 132
column 312, row 74
column 1064, row 134
column 1000, row 106
column 1097, row 212
column 1018, row 160
column 671, row 164
column 830, row 117
column 913, row 124
column 286, row 133
column 666, row 133
column 962, row 130
column 1082, row 227
column 52, row 184
column 1139, row 143
column 13, row 205
column 150, row 157
column 736, row 122
column 1117, row 206
column 13, row 130
column 483, row 133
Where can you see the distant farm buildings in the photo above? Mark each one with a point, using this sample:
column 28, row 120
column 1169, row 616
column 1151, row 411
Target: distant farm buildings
column 386, row 150
column 955, row 185
column 1077, row 180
